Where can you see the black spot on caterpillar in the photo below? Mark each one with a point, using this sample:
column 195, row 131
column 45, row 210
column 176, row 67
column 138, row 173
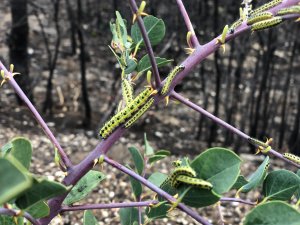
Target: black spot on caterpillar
column 292, row 157
column 171, row 76
column 127, row 91
column 181, row 170
column 266, row 23
column 235, row 25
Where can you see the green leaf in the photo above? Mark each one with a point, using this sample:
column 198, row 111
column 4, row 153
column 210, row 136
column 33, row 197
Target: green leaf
column 89, row 218
column 157, row 178
column 22, row 151
column 155, row 30
column 39, row 210
column 41, row 190
column 159, row 211
column 84, row 186
column 257, row 177
column 148, row 149
column 241, row 181
column 280, row 185
column 120, row 22
column 128, row 216
column 297, row 193
column 273, row 213
column 6, row 148
column 155, row 158
column 135, row 185
column 6, row 220
column 144, row 64
column 131, row 65
column 138, row 159
column 14, row 179
column 219, row 166
column 163, row 152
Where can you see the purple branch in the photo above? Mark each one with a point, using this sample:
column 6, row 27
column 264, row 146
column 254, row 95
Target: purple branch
column 108, row 206
column 12, row 212
column 188, row 23
column 227, row 126
column 237, row 200
column 37, row 116
column 149, row 49
column 156, row 189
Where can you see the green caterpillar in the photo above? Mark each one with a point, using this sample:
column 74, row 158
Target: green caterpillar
column 235, row 25
column 181, row 179
column 292, row 157
column 259, row 17
column 289, row 10
column 140, row 112
column 127, row 91
column 125, row 113
column 266, row 23
column 171, row 76
column 266, row 6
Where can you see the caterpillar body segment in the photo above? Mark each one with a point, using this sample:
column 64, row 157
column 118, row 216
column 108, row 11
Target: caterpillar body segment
column 266, row 23
column 139, row 113
column 292, row 157
column 259, row 17
column 266, row 6
column 125, row 113
column 196, row 182
column 127, row 91
column 235, row 25
column 181, row 170
column 289, row 10
column 166, row 87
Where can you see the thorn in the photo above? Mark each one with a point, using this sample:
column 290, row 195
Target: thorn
column 189, row 39
column 149, row 75
column 11, row 68
column 189, row 51
column 221, row 40
column 95, row 162
column 167, row 100
column 140, row 12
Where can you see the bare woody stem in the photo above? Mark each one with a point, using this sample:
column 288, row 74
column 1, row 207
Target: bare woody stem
column 149, row 49
column 227, row 126
column 237, row 200
column 108, row 206
column 188, row 23
column 12, row 212
column 65, row 159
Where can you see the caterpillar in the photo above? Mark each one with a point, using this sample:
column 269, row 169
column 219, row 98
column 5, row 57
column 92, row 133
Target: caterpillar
column 177, row 163
column 292, row 157
column 259, row 17
column 235, row 25
column 139, row 113
column 125, row 113
column 171, row 76
column 192, row 181
column 182, row 170
column 127, row 91
column 289, row 10
column 266, row 23
column 266, row 6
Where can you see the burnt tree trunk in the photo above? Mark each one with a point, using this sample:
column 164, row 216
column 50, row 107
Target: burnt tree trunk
column 18, row 43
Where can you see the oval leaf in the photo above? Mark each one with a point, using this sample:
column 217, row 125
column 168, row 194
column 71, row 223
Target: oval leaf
column 84, row 186
column 159, row 211
column 39, row 210
column 257, row 177
column 219, row 166
column 131, row 65
column 41, row 189
column 148, row 148
column 137, row 158
column 157, row 178
column 280, row 185
column 155, row 30
column 241, row 181
column 13, row 179
column 89, row 218
column 128, row 216
column 144, row 64
column 22, row 151
column 297, row 194
column 273, row 213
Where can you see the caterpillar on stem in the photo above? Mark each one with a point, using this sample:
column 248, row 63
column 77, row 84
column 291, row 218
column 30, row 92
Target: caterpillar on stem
column 266, row 6
column 259, row 17
column 170, row 78
column 289, row 10
column 235, row 25
column 292, row 157
column 266, row 23
column 127, row 91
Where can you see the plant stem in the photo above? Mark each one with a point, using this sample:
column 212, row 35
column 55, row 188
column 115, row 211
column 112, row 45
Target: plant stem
column 188, row 23
column 12, row 212
column 108, row 206
column 149, row 49
column 237, row 200
column 37, row 116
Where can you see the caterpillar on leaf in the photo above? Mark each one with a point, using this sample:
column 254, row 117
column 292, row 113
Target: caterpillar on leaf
column 196, row 182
